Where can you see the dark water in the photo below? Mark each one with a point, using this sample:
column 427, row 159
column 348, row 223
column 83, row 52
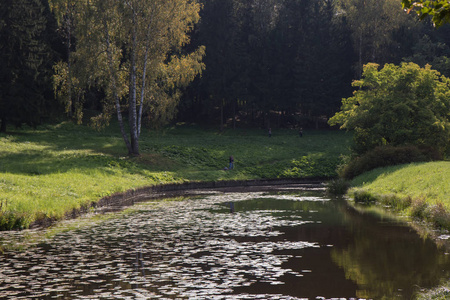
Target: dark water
column 287, row 246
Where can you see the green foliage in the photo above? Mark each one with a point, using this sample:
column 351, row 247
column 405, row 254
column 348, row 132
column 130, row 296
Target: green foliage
column 338, row 186
column 439, row 10
column 395, row 202
column 374, row 24
column 134, row 52
column 25, row 59
column 439, row 215
column 384, row 156
column 433, row 51
column 398, row 105
column 363, row 196
column 418, row 208
column 256, row 65
column 436, row 214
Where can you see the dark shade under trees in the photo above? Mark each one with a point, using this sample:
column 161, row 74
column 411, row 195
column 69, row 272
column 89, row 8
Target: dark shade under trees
column 27, row 36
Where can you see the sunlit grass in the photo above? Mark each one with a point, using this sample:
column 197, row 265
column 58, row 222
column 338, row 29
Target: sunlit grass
column 49, row 171
column 430, row 181
column 419, row 190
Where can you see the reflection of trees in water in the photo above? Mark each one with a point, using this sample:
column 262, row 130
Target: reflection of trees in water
column 388, row 258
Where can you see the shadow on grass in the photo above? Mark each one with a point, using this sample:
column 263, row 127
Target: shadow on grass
column 188, row 151
column 373, row 175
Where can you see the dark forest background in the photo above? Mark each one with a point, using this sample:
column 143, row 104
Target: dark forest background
column 269, row 63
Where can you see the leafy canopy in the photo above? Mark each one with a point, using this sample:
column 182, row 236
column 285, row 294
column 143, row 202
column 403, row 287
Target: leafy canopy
column 136, row 52
column 398, row 105
column 439, row 10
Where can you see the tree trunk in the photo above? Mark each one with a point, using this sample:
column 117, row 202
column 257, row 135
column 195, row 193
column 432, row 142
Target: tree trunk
column 132, row 115
column 141, row 105
column 144, row 74
column 114, row 87
column 69, row 63
column 221, row 116
column 234, row 114
column 360, row 67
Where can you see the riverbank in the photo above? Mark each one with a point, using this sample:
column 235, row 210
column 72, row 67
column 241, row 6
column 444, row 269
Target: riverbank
column 418, row 190
column 52, row 171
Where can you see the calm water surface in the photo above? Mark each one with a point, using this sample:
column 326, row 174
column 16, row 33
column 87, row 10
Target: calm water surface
column 296, row 245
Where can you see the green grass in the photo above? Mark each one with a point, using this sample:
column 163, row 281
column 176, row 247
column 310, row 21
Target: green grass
column 419, row 190
column 51, row 170
column 430, row 181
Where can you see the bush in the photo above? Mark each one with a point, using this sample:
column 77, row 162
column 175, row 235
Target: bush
column 338, row 186
column 384, row 156
column 12, row 220
column 418, row 208
column 436, row 214
column 395, row 202
column 439, row 215
column 397, row 105
column 364, row 196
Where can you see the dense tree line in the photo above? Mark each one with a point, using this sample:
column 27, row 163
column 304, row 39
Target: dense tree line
column 28, row 49
column 290, row 62
column 269, row 63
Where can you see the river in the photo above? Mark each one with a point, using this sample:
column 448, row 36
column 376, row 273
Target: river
column 294, row 243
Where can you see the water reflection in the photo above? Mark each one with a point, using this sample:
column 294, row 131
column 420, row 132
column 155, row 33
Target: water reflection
column 287, row 246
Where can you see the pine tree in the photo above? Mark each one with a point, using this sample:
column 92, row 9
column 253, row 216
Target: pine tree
column 25, row 55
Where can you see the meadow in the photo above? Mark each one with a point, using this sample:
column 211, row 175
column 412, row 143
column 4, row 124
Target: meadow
column 49, row 171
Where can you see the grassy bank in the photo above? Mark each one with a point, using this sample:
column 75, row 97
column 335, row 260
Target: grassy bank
column 430, row 181
column 419, row 190
column 51, row 170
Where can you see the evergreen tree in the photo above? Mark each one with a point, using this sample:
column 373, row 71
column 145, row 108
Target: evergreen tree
column 25, row 59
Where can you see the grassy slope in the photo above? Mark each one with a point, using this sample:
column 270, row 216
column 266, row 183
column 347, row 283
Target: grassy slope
column 429, row 181
column 54, row 169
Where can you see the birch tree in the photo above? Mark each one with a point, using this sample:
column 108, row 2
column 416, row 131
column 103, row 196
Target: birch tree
column 135, row 50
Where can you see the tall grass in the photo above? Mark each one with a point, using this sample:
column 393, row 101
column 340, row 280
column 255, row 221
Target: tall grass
column 49, row 171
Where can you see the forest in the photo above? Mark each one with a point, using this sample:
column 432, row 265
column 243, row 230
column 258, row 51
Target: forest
column 221, row 63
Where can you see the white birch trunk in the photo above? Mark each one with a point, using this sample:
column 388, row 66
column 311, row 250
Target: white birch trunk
column 114, row 87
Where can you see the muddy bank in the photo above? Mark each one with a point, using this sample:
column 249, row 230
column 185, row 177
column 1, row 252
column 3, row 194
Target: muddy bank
column 133, row 196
